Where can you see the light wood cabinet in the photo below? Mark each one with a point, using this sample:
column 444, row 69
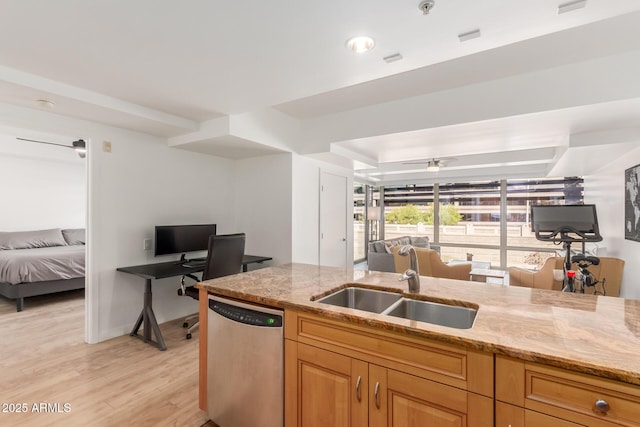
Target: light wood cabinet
column 509, row 415
column 397, row 399
column 536, row 419
column 570, row 397
column 515, row 416
column 341, row 374
column 331, row 388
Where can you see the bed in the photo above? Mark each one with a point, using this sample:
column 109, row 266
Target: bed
column 41, row 262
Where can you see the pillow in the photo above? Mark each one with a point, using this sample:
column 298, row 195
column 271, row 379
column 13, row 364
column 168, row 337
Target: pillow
column 417, row 241
column 379, row 247
column 402, row 241
column 74, row 236
column 388, row 244
column 31, row 239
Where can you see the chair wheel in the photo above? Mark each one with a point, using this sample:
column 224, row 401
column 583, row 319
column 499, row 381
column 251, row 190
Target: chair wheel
column 185, row 325
column 188, row 336
column 180, row 292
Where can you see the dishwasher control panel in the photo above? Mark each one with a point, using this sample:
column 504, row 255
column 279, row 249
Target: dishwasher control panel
column 246, row 316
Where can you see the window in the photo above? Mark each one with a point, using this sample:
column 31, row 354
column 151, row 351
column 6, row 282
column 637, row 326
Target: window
column 469, row 218
column 358, row 222
column 366, row 219
column 408, row 210
column 524, row 250
column 466, row 218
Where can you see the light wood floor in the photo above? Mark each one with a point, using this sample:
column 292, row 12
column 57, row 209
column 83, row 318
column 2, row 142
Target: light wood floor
column 120, row 382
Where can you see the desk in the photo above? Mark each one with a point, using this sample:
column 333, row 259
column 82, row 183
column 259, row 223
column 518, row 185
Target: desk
column 164, row 270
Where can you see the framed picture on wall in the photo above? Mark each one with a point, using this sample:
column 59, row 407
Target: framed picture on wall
column 632, row 204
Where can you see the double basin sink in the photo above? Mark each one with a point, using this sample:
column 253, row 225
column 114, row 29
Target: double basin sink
column 394, row 304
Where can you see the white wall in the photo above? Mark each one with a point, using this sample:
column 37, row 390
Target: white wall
column 42, row 186
column 306, row 208
column 143, row 183
column 277, row 204
column 605, row 188
column 140, row 184
column 262, row 188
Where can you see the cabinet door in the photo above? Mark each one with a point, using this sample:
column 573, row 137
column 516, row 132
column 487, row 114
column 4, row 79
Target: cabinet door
column 401, row 400
column 509, row 415
column 332, row 389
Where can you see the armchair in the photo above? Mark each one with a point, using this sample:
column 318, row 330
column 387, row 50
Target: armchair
column 430, row 264
column 541, row 279
column 223, row 259
column 609, row 268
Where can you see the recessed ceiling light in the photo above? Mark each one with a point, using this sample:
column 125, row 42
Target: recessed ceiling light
column 572, row 5
column 360, row 44
column 469, row 35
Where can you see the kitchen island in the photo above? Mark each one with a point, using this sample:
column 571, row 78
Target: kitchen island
column 523, row 345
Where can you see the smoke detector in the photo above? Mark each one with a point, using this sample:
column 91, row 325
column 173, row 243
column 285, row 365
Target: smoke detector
column 426, row 5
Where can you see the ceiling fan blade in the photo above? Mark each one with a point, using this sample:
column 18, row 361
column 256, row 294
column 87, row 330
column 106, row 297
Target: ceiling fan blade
column 80, row 146
column 43, row 142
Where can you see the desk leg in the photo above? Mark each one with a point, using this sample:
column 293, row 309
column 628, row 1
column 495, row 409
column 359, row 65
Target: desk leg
column 149, row 319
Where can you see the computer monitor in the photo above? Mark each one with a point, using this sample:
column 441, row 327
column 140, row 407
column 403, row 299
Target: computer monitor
column 549, row 221
column 181, row 239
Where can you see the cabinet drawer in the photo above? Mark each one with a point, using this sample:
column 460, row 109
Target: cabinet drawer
column 536, row 419
column 580, row 394
column 581, row 398
column 453, row 365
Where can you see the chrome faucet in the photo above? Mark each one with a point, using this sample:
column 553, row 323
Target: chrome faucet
column 412, row 275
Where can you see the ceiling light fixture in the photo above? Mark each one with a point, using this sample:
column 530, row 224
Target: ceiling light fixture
column 81, row 147
column 433, row 166
column 572, row 5
column 469, row 35
column 360, row 44
column 426, row 5
column 45, row 104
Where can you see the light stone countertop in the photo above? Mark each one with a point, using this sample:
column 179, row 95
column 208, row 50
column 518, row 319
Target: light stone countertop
column 584, row 333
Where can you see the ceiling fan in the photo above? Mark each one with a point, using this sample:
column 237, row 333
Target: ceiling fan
column 79, row 146
column 433, row 165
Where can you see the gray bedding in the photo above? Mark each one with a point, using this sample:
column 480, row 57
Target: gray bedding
column 41, row 264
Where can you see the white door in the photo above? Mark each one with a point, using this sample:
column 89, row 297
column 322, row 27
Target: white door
column 333, row 220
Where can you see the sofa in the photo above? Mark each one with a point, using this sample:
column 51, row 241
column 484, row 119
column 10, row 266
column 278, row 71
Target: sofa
column 380, row 256
column 610, row 269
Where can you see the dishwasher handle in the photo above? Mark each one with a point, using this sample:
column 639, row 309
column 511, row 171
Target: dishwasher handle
column 245, row 315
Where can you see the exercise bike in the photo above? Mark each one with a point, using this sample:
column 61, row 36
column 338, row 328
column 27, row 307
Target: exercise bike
column 585, row 279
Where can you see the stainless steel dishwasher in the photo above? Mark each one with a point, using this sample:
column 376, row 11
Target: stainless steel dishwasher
column 245, row 364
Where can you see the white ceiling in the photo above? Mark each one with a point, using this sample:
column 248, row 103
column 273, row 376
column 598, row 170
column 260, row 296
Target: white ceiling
column 204, row 74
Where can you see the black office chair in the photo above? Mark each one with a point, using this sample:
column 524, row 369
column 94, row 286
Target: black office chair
column 223, row 259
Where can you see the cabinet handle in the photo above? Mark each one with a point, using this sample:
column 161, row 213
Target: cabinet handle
column 376, row 394
column 602, row 406
column 358, row 389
